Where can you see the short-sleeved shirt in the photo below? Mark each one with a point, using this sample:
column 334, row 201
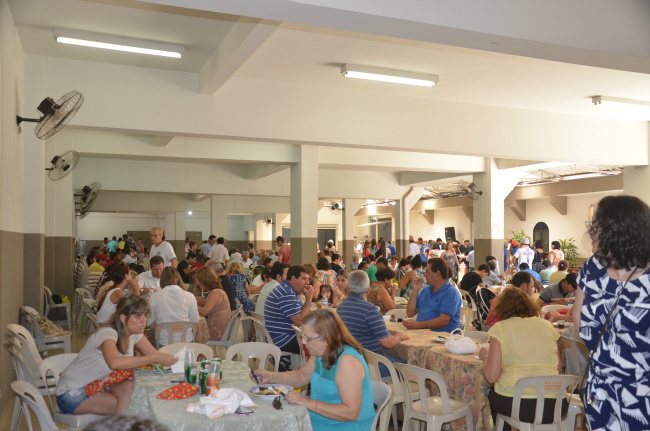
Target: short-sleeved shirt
column 219, row 253
column 372, row 273
column 112, row 246
column 146, row 279
column 535, row 275
column 528, row 348
column 554, row 291
column 164, row 250
column 445, row 300
column 285, row 253
column 181, row 270
column 545, row 274
column 525, row 254
column 281, row 304
column 364, row 322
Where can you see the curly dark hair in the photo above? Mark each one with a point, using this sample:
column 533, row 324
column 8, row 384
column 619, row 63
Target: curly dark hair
column 620, row 230
column 515, row 303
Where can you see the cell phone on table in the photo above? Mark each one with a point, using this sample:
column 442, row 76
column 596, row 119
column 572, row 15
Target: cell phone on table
column 244, row 411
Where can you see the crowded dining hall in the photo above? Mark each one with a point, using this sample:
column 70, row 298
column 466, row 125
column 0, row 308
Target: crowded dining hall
column 311, row 215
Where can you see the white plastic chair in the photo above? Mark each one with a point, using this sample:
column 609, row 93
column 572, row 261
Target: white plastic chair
column 89, row 306
column 554, row 307
column 373, row 360
column 477, row 335
column 51, row 305
column 30, row 398
column 230, row 334
column 434, row 411
column 198, row 348
column 563, row 385
column 262, row 335
column 43, row 343
column 257, row 316
column 466, row 318
column 303, row 356
column 577, row 355
column 382, row 396
column 397, row 314
column 80, row 294
column 256, row 351
column 54, row 366
column 175, row 327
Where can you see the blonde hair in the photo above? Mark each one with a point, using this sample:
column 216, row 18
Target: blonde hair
column 235, row 268
column 171, row 277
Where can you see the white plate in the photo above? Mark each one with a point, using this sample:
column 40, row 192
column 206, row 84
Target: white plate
column 254, row 389
column 400, row 300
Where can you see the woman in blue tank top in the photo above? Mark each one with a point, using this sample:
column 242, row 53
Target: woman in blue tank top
column 341, row 394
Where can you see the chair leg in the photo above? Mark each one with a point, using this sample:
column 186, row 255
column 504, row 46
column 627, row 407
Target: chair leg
column 394, row 414
column 500, row 423
column 17, row 414
column 469, row 420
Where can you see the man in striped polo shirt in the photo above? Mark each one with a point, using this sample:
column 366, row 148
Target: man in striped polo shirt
column 284, row 308
column 364, row 321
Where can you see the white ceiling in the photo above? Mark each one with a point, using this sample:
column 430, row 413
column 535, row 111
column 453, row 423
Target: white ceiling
column 312, row 56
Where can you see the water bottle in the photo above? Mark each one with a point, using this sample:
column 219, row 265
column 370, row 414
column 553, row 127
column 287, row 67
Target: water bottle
column 323, row 301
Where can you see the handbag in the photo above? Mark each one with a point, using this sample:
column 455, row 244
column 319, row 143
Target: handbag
column 459, row 344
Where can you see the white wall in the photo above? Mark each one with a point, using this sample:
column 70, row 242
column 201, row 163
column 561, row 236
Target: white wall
column 98, row 225
column 445, row 217
column 198, row 222
column 560, row 226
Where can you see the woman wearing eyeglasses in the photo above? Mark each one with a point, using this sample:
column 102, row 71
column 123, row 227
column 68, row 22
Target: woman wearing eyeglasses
column 341, row 394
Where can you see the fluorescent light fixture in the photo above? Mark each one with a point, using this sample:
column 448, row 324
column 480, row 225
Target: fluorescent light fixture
column 118, row 43
column 389, row 75
column 636, row 108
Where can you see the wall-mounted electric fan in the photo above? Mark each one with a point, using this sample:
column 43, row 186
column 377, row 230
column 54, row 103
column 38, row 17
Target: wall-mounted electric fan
column 55, row 114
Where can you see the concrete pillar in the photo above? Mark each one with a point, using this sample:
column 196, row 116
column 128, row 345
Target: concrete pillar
column 34, row 195
column 402, row 219
column 277, row 219
column 637, row 178
column 179, row 235
column 347, row 245
column 59, row 228
column 304, row 205
column 489, row 210
column 218, row 217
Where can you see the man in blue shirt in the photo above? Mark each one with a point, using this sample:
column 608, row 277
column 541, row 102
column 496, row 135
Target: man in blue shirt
column 525, row 268
column 391, row 247
column 364, row 321
column 438, row 303
column 284, row 308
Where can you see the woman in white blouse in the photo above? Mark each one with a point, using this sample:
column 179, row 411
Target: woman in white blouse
column 173, row 303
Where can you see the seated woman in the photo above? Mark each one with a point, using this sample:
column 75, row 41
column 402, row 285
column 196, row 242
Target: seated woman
column 119, row 279
column 406, row 282
column 341, row 394
column 240, row 284
column 109, row 353
column 216, row 307
column 342, row 284
column 382, row 292
column 173, row 303
column 325, row 274
column 521, row 345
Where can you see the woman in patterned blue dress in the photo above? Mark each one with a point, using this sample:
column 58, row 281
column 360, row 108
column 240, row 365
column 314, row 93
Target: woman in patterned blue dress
column 617, row 390
column 240, row 284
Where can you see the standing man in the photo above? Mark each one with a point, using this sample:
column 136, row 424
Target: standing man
column 524, row 254
column 438, row 306
column 391, row 247
column 219, row 252
column 424, row 248
column 162, row 248
column 414, row 250
column 205, row 248
column 284, row 250
column 112, row 246
column 283, row 308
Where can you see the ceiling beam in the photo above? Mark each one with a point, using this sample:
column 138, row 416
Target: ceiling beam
column 257, row 172
column 519, row 208
column 247, row 35
column 566, row 188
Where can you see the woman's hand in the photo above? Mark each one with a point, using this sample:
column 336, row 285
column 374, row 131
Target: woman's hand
column 263, row 377
column 165, row 359
column 294, row 397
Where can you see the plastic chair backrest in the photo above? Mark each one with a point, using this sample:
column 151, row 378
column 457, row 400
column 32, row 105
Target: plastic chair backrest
column 26, row 339
column 373, row 359
column 31, row 398
column 398, row 313
column 478, row 335
column 54, row 366
column 381, row 397
column 303, row 356
column 420, row 376
column 261, row 333
column 92, row 318
column 173, row 327
column 576, row 353
column 257, row 316
column 561, row 384
column 466, row 318
column 255, row 350
column 198, row 348
column 48, row 296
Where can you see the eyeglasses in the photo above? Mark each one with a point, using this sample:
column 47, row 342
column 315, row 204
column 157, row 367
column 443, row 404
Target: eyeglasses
column 309, row 340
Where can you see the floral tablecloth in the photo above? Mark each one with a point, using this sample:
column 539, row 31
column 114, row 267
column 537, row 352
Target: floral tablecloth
column 462, row 373
column 171, row 413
